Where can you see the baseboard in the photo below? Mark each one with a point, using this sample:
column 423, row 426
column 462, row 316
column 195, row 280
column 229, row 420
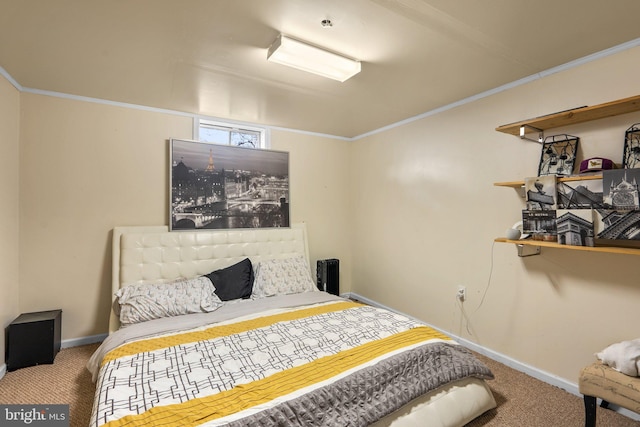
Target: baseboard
column 76, row 342
column 3, row 370
column 505, row 360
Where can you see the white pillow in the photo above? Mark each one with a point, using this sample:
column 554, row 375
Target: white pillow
column 282, row 276
column 623, row 357
column 142, row 302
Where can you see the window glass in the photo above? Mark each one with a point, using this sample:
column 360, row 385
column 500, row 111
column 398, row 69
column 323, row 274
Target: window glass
column 227, row 133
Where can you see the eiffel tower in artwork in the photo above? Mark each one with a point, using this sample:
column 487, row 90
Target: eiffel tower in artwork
column 210, row 166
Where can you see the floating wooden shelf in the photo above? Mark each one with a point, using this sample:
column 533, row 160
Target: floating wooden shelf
column 564, row 118
column 518, row 184
column 543, row 244
column 577, row 115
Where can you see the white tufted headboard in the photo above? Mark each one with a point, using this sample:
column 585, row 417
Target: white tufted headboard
column 153, row 254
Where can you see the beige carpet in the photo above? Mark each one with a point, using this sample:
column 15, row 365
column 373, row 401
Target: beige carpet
column 522, row 401
column 65, row 382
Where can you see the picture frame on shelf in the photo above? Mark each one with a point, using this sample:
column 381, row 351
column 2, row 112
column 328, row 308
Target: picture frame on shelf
column 540, row 193
column 607, row 224
column 540, row 225
column 583, row 194
column 558, row 155
column 575, row 227
column 631, row 153
column 621, row 190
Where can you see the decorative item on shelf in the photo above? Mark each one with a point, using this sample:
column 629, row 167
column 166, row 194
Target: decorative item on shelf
column 609, row 225
column 558, row 155
column 596, row 164
column 631, row 156
column 575, row 227
column 541, row 225
column 620, row 189
column 580, row 194
column 539, row 217
column 540, row 193
column 621, row 198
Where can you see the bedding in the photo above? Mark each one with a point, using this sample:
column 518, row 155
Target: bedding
column 142, row 302
column 309, row 359
column 233, row 282
column 289, row 355
column 282, row 276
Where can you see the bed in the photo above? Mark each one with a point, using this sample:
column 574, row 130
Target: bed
column 227, row 328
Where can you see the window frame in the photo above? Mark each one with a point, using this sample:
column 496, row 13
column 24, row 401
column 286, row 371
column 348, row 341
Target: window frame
column 263, row 132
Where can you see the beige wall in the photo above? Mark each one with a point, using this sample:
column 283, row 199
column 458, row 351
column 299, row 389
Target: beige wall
column 85, row 168
column 88, row 167
column 9, row 228
column 425, row 213
column 320, row 194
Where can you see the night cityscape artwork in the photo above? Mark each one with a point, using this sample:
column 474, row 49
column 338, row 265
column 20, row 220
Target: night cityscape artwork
column 217, row 186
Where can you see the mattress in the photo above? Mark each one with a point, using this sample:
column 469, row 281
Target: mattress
column 309, row 359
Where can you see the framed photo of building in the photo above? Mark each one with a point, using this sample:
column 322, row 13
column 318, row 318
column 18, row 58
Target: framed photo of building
column 215, row 186
column 540, row 225
column 575, row 227
column 583, row 194
column 621, row 190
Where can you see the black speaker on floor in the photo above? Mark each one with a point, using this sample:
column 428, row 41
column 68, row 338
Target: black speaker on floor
column 328, row 275
column 33, row 339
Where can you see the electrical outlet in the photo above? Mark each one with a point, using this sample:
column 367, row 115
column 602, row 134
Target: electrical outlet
column 462, row 293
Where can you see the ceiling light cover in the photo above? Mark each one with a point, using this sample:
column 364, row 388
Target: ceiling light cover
column 312, row 59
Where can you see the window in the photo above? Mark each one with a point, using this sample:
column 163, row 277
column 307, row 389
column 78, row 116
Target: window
column 230, row 134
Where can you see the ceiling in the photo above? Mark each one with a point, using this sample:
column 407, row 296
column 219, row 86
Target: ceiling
column 209, row 56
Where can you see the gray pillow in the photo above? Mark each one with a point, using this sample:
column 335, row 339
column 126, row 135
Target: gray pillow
column 283, row 276
column 142, row 302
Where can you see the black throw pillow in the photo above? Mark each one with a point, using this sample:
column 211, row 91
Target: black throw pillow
column 233, row 282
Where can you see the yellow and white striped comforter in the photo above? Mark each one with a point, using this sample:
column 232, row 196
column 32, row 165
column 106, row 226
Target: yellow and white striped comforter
column 260, row 367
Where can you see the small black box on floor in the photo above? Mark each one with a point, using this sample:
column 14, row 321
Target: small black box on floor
column 328, row 275
column 33, row 339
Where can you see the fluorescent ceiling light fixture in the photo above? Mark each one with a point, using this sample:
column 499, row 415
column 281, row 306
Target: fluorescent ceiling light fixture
column 312, row 59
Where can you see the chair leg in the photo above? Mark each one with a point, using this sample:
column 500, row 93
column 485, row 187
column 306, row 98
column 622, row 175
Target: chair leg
column 589, row 411
column 604, row 404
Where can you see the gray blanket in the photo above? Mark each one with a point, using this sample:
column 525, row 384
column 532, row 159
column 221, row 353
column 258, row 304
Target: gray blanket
column 393, row 382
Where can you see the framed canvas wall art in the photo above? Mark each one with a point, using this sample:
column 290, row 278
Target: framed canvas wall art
column 214, row 186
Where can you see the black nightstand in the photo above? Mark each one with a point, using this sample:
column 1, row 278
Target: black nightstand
column 33, row 339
